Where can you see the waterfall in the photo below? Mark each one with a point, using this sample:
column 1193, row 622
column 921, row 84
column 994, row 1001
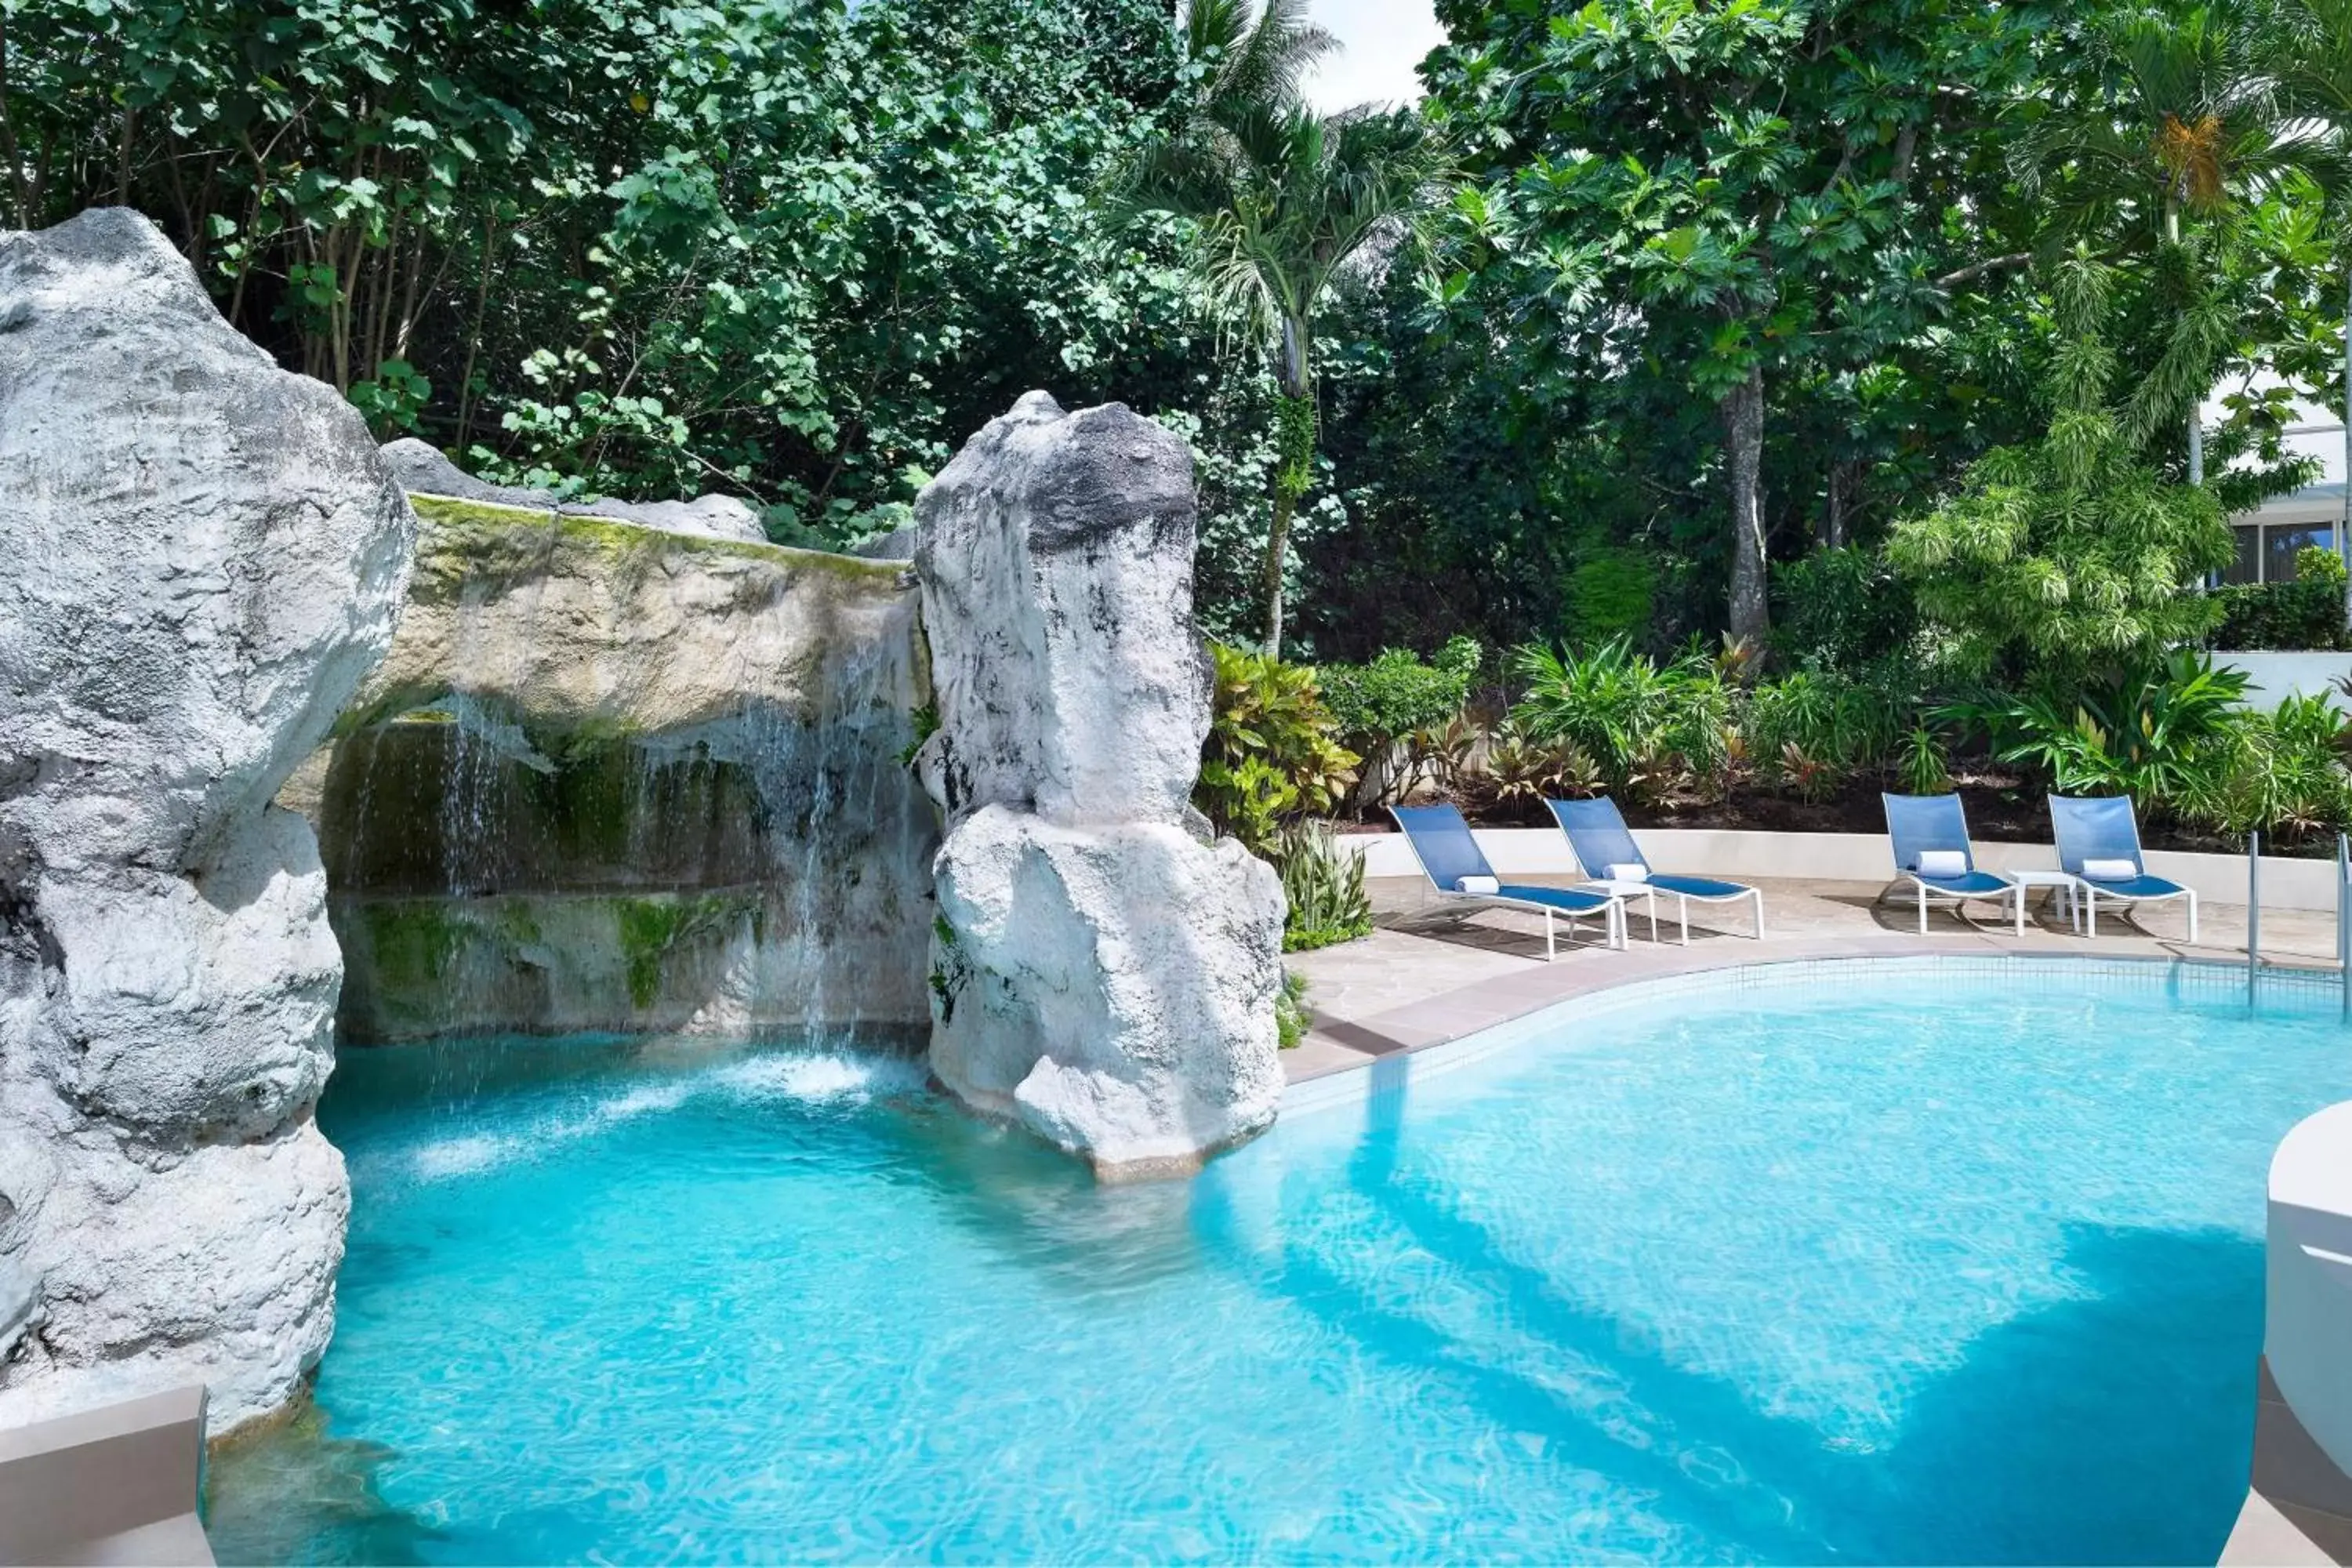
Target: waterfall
column 579, row 806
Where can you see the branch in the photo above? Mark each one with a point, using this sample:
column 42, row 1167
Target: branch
column 1951, row 280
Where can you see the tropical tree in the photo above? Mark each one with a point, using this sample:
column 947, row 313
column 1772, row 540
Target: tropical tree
column 2190, row 127
column 1728, row 195
column 1282, row 200
column 2073, row 551
column 2309, row 55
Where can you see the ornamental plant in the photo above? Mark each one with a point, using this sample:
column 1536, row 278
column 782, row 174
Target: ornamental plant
column 1273, row 752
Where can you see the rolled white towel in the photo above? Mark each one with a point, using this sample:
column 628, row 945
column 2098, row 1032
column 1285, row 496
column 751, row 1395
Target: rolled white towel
column 2110, row 870
column 1476, row 884
column 1943, row 863
column 1636, row 872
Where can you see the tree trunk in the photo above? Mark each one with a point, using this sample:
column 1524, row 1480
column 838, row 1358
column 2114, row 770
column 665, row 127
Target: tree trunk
column 2197, row 399
column 1277, row 542
column 1294, row 467
column 1833, row 520
column 1743, row 442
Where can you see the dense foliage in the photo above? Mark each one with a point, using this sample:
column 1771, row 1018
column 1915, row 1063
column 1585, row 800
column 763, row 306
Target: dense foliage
column 790, row 249
column 2304, row 612
column 1786, row 396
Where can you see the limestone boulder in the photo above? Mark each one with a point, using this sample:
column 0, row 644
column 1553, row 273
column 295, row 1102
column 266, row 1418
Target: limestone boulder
column 200, row 559
column 1099, row 973
column 1056, row 557
column 422, row 469
column 1110, row 988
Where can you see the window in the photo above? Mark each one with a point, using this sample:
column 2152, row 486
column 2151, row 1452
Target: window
column 2280, row 542
column 2266, row 551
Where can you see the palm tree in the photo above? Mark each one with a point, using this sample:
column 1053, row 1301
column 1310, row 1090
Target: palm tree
column 2310, row 49
column 2198, row 126
column 1281, row 199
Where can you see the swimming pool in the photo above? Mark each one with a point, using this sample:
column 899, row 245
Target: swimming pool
column 1908, row 1261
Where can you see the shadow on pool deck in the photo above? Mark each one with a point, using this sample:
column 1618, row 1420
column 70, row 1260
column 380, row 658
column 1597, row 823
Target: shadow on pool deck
column 2084, row 1431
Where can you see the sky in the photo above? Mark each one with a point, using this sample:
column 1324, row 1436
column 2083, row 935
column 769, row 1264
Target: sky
column 1383, row 41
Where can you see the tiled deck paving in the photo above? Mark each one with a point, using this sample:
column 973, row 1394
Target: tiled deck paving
column 1429, row 974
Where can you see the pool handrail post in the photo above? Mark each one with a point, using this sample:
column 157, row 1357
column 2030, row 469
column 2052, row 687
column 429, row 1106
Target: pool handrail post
column 2344, row 919
column 2254, row 910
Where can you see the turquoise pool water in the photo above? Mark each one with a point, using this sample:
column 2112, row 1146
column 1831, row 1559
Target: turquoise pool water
column 1898, row 1266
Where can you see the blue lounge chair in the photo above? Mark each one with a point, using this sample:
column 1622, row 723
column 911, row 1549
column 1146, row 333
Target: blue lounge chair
column 1922, row 825
column 1450, row 856
column 1597, row 833
column 2102, row 834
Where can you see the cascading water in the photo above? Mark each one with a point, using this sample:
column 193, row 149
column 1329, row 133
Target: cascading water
column 564, row 817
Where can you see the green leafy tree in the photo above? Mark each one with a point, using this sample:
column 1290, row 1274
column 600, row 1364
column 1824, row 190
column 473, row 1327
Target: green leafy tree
column 789, row 249
column 1281, row 200
column 2075, row 548
column 2192, row 126
column 1721, row 194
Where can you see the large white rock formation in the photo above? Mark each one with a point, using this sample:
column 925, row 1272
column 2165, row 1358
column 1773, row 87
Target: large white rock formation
column 201, row 558
column 1099, row 973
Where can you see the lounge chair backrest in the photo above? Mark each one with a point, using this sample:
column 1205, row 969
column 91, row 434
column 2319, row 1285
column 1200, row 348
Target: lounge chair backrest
column 2095, row 828
column 1441, row 840
column 1918, row 822
column 1596, row 831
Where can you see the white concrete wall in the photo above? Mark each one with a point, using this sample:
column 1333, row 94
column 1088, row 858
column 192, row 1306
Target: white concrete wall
column 2307, row 1330
column 1744, row 856
column 2279, row 675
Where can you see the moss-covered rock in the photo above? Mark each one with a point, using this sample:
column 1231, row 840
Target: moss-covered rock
column 612, row 777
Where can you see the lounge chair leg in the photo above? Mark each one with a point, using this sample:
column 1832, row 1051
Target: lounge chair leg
column 1548, row 952
column 2091, row 912
column 1682, row 914
column 2192, row 918
column 2018, row 894
column 1652, row 897
column 1758, row 894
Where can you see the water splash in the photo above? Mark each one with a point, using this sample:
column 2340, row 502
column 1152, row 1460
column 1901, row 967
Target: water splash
column 829, row 1078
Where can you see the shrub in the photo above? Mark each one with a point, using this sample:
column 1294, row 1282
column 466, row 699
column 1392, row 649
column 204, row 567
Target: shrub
column 2166, row 730
column 1922, row 762
column 1324, row 888
column 2306, row 612
column 1272, row 752
column 1291, row 1020
column 1400, row 697
column 1523, row 769
column 1839, row 608
column 1612, row 591
column 1646, row 727
column 1813, row 728
column 2288, row 775
column 1398, row 692
column 2077, row 548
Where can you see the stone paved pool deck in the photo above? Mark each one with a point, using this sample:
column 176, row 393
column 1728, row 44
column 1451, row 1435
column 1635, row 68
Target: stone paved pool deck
column 1435, row 970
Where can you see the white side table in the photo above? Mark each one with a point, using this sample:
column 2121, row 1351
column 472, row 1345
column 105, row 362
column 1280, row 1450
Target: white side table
column 1631, row 891
column 2061, row 886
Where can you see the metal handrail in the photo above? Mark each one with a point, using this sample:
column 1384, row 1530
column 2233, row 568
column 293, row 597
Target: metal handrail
column 2344, row 919
column 2254, row 911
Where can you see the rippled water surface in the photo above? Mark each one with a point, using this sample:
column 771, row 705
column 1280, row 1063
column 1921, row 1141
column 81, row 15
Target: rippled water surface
column 1906, row 1270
